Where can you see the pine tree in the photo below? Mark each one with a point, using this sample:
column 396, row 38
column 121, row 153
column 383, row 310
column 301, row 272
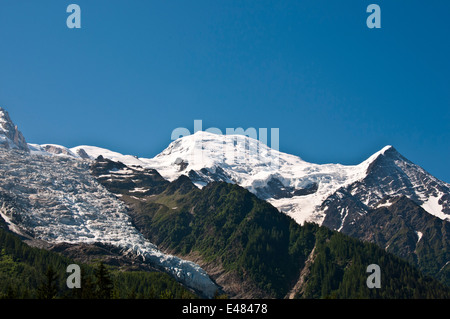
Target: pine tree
column 104, row 282
column 49, row 288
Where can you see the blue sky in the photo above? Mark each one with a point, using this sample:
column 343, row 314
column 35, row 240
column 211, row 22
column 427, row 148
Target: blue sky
column 137, row 70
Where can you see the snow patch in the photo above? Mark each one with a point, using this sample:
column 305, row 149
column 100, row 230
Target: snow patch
column 388, row 203
column 432, row 206
column 344, row 215
column 419, row 235
column 139, row 190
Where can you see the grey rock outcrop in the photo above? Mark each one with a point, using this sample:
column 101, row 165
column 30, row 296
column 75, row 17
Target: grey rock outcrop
column 10, row 136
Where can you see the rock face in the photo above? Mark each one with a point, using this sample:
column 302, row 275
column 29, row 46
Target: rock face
column 121, row 179
column 10, row 136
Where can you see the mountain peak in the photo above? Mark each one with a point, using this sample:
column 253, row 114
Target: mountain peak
column 382, row 152
column 387, row 148
column 204, row 149
column 10, row 136
column 387, row 159
column 387, row 153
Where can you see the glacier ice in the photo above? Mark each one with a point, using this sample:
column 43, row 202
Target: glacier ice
column 57, row 200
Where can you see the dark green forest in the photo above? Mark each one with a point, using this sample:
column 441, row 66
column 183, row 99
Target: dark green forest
column 32, row 273
column 339, row 271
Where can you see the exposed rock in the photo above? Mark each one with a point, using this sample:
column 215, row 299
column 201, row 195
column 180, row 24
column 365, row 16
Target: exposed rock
column 10, row 136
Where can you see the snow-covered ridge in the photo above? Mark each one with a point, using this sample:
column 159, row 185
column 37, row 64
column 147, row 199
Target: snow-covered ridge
column 249, row 163
column 296, row 187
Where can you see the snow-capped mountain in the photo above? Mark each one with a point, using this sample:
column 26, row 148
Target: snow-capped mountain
column 50, row 192
column 386, row 199
column 55, row 199
column 300, row 189
column 388, row 175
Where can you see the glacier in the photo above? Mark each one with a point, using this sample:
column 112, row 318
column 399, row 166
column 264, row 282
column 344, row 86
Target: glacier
column 56, row 199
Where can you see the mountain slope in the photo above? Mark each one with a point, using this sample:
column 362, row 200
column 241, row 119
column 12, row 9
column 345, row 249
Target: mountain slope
column 391, row 207
column 56, row 199
column 405, row 229
column 252, row 250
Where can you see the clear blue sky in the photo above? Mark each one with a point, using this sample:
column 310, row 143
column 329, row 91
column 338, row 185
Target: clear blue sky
column 136, row 70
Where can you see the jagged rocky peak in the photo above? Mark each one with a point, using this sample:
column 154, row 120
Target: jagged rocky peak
column 393, row 174
column 10, row 136
column 388, row 175
column 385, row 158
